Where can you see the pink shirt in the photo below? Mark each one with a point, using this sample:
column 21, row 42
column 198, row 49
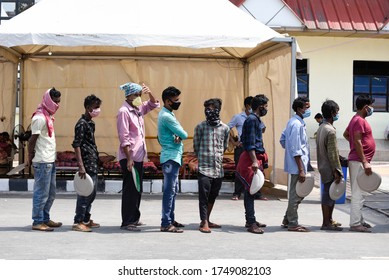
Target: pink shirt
column 359, row 124
column 131, row 129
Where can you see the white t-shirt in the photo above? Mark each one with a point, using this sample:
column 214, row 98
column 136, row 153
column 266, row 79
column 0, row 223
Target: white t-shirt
column 45, row 148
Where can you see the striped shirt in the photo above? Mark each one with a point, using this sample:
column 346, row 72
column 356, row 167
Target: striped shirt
column 209, row 144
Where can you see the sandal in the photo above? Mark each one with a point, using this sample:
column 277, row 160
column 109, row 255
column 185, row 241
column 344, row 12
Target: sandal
column 255, row 229
column 130, row 227
column 235, row 197
column 177, row 224
column 257, row 223
column 213, row 225
column 298, row 229
column 139, row 223
column 331, row 227
column 204, row 229
column 360, row 228
column 366, row 225
column 171, row 228
column 335, row 223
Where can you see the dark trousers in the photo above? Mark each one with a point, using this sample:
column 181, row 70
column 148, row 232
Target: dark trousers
column 84, row 203
column 208, row 192
column 238, row 184
column 249, row 207
column 130, row 196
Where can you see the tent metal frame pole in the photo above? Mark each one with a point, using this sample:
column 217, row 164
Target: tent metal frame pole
column 21, row 111
column 292, row 42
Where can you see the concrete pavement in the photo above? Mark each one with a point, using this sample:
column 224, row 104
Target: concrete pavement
column 232, row 241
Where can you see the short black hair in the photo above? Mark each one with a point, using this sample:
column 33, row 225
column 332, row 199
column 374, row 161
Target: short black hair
column 247, row 100
column 258, row 100
column 329, row 107
column 217, row 102
column 54, row 93
column 91, row 99
column 318, row 116
column 363, row 100
column 299, row 102
column 170, row 92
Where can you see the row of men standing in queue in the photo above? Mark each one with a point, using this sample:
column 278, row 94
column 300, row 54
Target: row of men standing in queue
column 210, row 141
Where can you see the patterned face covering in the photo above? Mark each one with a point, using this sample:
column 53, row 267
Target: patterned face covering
column 212, row 115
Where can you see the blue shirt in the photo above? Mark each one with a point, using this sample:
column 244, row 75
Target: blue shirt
column 237, row 122
column 295, row 142
column 252, row 134
column 168, row 128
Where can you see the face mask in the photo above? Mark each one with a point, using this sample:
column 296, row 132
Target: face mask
column 95, row 113
column 137, row 101
column 370, row 111
column 263, row 112
column 336, row 117
column 212, row 115
column 307, row 113
column 175, row 105
column 250, row 111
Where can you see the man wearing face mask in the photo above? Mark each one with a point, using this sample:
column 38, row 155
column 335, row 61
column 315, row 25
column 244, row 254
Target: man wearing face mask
column 132, row 150
column 170, row 136
column 328, row 161
column 41, row 156
column 237, row 122
column 210, row 141
column 87, row 157
column 362, row 148
column 295, row 142
column 253, row 159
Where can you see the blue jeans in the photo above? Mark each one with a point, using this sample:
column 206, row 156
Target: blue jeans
column 170, row 171
column 84, row 203
column 249, row 207
column 44, row 191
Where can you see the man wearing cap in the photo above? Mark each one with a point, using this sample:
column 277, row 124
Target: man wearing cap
column 210, row 141
column 170, row 136
column 132, row 149
column 295, row 142
column 362, row 148
column 41, row 156
column 87, row 156
column 328, row 161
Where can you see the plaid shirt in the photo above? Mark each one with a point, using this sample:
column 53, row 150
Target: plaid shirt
column 84, row 138
column 209, row 144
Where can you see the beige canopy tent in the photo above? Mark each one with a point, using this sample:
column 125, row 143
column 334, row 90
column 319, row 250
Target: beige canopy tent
column 205, row 48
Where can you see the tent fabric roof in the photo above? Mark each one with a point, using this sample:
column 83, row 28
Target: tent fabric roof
column 199, row 25
column 342, row 15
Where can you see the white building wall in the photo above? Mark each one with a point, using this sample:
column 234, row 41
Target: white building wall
column 330, row 67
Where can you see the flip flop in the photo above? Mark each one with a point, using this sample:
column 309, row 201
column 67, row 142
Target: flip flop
column 204, row 230
column 171, row 228
column 331, row 227
column 130, row 228
column 177, row 224
column 360, row 228
column 255, row 229
column 257, row 223
column 298, row 229
column 213, row 225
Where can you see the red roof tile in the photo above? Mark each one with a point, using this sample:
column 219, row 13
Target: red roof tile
column 341, row 15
